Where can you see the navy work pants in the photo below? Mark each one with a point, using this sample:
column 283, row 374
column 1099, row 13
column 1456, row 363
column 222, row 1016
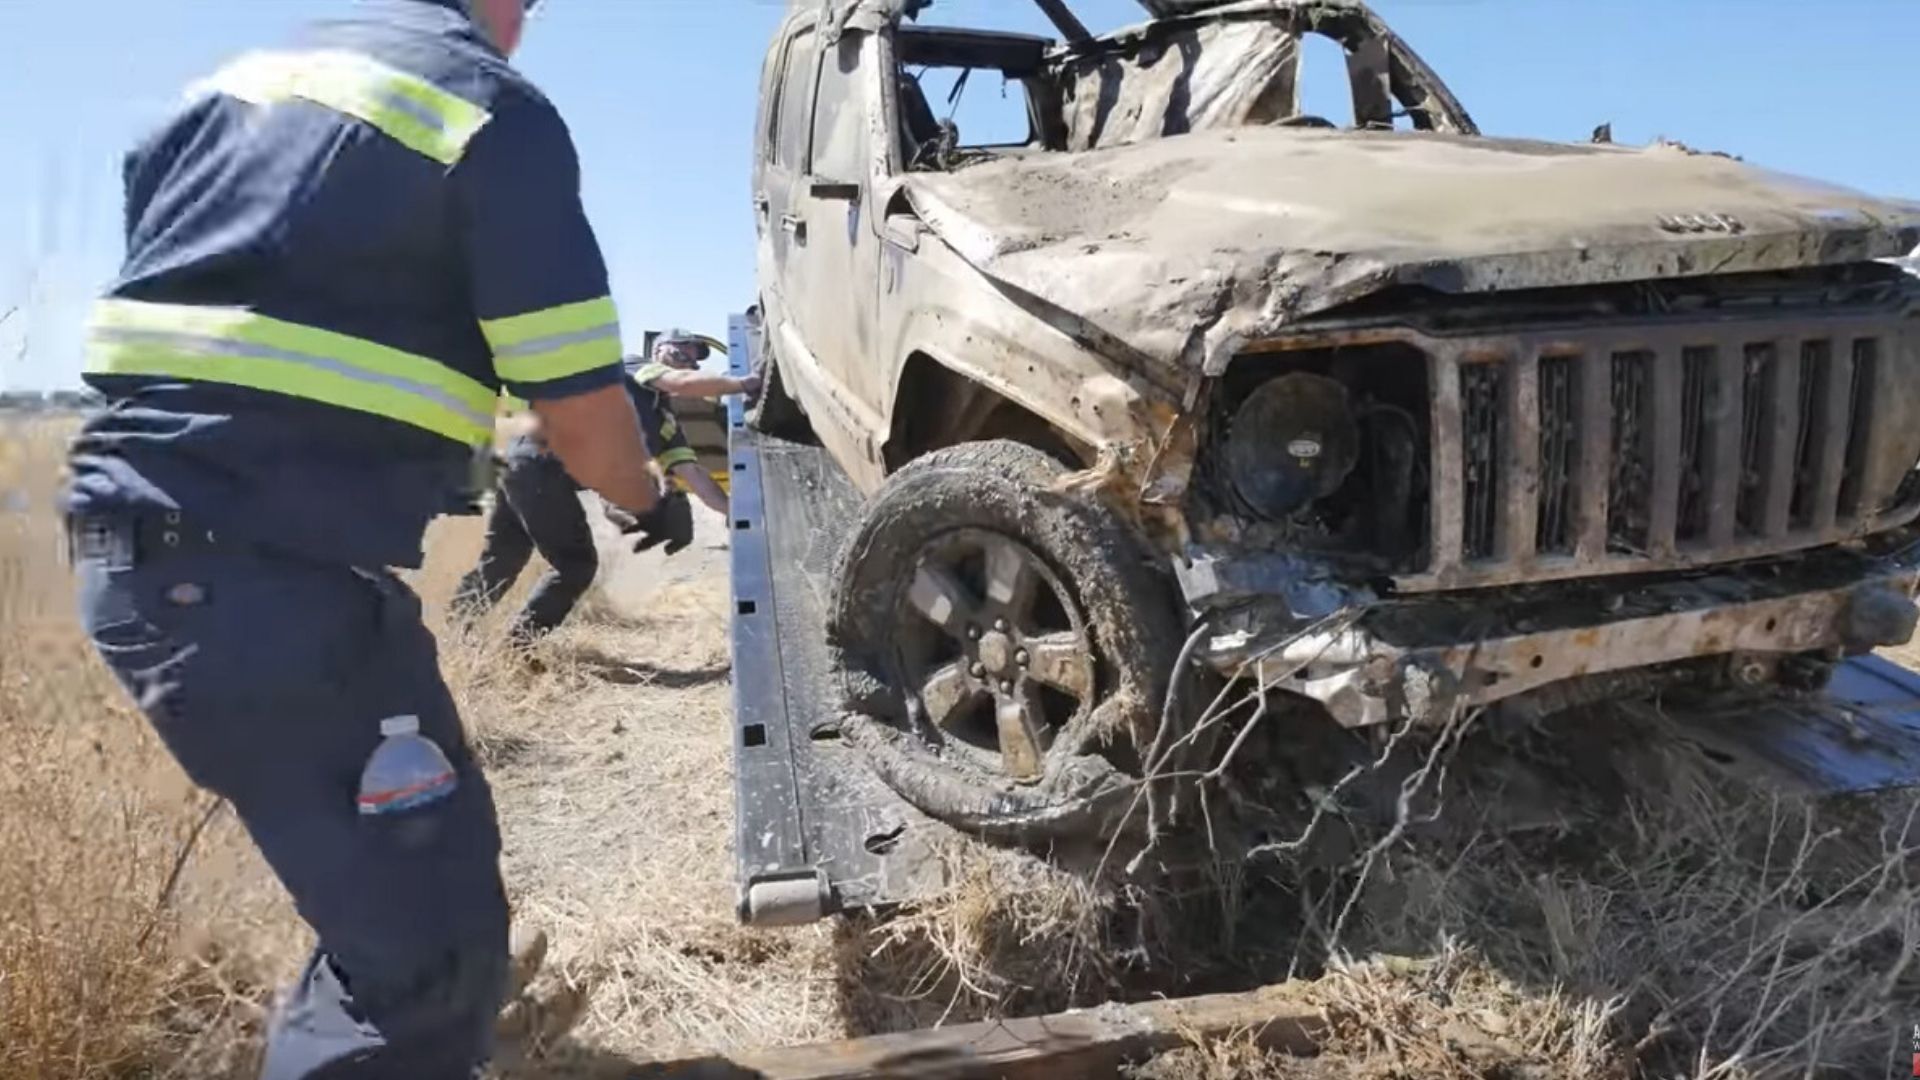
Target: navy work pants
column 537, row 506
column 267, row 677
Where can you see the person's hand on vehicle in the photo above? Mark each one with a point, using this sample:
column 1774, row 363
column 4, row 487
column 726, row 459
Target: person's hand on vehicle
column 669, row 523
column 750, row 386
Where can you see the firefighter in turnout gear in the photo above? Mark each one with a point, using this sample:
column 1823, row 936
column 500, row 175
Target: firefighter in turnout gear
column 674, row 371
column 339, row 253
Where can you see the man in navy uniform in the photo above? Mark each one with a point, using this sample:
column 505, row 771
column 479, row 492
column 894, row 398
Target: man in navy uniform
column 340, row 252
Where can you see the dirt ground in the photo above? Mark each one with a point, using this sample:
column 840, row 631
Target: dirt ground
column 1690, row 929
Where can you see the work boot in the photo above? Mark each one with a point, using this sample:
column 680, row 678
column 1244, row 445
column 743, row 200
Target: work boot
column 528, row 950
column 526, row 1024
column 532, row 1023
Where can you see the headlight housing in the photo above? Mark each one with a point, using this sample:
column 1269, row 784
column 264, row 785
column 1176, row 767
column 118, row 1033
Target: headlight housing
column 1293, row 441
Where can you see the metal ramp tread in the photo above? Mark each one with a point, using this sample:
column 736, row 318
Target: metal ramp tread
column 1867, row 738
column 815, row 831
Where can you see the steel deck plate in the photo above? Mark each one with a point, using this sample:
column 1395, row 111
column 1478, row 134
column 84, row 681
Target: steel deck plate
column 1865, row 735
column 807, row 808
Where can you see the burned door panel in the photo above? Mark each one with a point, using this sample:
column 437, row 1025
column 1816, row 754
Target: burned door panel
column 835, row 259
column 783, row 157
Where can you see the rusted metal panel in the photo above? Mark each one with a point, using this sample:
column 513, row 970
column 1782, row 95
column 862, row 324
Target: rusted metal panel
column 1724, row 435
column 1717, row 535
column 1448, row 466
column 1520, row 486
column 1878, row 474
column 1665, row 512
column 1830, row 435
column 1781, row 444
column 1496, row 668
column 1596, row 454
column 1088, row 1044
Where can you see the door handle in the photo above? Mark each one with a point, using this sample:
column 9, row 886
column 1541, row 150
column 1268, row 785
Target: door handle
column 794, row 224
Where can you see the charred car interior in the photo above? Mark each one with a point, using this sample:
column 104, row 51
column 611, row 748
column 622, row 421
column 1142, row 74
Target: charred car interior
column 1393, row 419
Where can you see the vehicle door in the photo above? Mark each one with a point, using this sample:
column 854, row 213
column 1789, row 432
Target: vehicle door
column 786, row 95
column 835, row 253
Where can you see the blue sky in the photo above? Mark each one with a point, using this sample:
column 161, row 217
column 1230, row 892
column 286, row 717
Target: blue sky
column 660, row 96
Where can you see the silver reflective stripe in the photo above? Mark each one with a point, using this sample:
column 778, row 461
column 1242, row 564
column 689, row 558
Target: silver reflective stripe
column 552, row 342
column 415, row 111
column 198, row 343
column 409, row 109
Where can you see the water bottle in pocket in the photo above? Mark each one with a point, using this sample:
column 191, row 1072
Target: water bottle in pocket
column 407, row 770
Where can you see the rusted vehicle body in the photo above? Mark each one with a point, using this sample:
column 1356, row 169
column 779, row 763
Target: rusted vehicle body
column 1403, row 418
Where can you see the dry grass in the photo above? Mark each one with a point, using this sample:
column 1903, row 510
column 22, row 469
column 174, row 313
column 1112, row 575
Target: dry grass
column 103, row 973
column 1691, row 928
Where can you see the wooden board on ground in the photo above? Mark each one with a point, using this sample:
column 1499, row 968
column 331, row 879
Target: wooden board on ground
column 1079, row 1045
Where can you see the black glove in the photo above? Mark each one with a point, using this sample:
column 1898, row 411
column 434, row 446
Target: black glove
column 670, row 523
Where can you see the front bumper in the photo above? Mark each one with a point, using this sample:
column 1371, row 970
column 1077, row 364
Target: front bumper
column 1370, row 660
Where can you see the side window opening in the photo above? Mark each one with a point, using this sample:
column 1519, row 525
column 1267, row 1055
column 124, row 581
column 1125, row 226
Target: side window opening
column 840, row 115
column 947, row 111
column 987, row 107
column 1325, row 89
column 796, row 91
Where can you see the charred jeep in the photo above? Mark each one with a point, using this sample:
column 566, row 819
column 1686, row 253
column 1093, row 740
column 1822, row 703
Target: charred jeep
column 1391, row 417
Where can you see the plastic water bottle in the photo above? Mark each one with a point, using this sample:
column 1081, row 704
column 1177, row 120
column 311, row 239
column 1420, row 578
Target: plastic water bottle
column 407, row 770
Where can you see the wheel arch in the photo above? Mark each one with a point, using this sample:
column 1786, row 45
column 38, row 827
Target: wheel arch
column 937, row 405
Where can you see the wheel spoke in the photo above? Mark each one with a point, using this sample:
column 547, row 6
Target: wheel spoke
column 1020, row 723
column 1010, row 581
column 947, row 694
column 944, row 602
column 1061, row 660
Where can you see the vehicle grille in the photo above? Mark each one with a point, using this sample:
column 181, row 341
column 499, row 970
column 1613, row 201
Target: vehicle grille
column 1615, row 451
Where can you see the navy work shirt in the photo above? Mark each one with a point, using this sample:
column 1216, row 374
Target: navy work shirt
column 338, row 254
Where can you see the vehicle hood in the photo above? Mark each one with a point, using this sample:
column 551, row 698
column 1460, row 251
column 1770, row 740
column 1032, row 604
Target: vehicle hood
column 1181, row 249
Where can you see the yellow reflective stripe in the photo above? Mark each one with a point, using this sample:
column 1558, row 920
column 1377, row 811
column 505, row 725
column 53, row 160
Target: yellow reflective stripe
column 678, row 455
column 648, row 373
column 407, row 108
column 541, row 346
column 558, row 363
column 233, row 345
column 241, row 325
column 519, row 330
column 108, row 357
column 515, row 404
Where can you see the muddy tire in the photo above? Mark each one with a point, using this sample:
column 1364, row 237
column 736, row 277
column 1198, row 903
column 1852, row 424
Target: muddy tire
column 1007, row 645
column 775, row 412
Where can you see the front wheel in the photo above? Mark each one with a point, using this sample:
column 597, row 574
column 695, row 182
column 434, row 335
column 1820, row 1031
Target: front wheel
column 1023, row 637
column 775, row 412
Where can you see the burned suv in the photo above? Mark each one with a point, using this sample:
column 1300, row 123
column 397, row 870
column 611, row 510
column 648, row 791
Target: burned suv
column 1387, row 417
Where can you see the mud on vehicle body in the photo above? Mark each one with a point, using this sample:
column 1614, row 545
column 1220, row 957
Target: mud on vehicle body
column 1403, row 417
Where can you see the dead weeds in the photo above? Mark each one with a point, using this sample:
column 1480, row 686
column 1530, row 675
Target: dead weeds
column 104, row 970
column 1678, row 926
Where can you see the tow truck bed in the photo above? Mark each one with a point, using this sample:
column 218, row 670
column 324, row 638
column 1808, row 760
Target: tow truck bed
column 815, row 831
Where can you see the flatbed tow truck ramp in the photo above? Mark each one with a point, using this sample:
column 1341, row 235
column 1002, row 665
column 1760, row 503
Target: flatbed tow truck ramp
column 817, row 832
